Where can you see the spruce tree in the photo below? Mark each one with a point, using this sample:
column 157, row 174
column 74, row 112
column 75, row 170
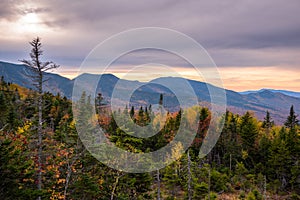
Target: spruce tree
column 131, row 112
column 292, row 120
column 268, row 123
column 37, row 68
column 249, row 133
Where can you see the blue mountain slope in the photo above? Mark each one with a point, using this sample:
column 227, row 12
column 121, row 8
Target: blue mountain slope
column 16, row 73
column 285, row 92
column 276, row 103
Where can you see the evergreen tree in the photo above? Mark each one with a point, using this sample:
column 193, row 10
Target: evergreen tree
column 161, row 99
column 280, row 162
column 268, row 123
column 249, row 133
column 132, row 112
column 3, row 110
column 37, row 69
column 292, row 120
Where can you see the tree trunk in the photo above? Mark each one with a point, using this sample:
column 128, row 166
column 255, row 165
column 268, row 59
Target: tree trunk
column 230, row 158
column 40, row 132
column 209, row 182
column 37, row 69
column 115, row 186
column 69, row 173
column 189, row 176
column 158, row 184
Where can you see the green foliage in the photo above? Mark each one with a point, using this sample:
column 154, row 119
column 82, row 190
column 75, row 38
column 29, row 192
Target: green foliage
column 292, row 120
column 294, row 196
column 200, row 190
column 249, row 156
column 218, row 181
column 248, row 131
column 250, row 196
column 242, row 195
column 212, row 196
column 254, row 195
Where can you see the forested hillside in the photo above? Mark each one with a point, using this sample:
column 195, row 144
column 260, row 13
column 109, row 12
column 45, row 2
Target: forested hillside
column 251, row 160
column 277, row 103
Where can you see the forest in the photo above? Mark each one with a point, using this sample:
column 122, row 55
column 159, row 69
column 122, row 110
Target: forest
column 251, row 160
column 43, row 157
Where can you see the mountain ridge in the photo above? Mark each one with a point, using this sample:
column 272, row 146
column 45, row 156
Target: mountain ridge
column 286, row 92
column 276, row 103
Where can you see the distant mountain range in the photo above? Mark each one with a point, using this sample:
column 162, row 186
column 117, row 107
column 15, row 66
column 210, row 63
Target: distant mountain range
column 18, row 74
column 277, row 102
column 286, row 92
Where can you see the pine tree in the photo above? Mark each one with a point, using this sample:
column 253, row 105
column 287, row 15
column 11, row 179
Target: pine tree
column 3, row 110
column 268, row 123
column 161, row 99
column 249, row 133
column 280, row 162
column 131, row 112
column 37, row 68
column 292, row 120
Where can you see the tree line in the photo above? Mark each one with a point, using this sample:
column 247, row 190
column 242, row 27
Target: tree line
column 42, row 156
column 251, row 157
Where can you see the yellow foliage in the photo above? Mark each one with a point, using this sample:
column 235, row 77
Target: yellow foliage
column 176, row 151
column 101, row 181
column 61, row 180
column 244, row 154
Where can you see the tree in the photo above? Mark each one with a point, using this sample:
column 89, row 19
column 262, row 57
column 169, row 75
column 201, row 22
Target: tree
column 249, row 133
column 268, row 123
column 189, row 176
column 132, row 112
column 99, row 100
column 280, row 161
column 161, row 99
column 3, row 110
column 292, row 120
column 37, row 68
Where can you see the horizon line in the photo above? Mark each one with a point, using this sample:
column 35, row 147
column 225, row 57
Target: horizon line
column 57, row 72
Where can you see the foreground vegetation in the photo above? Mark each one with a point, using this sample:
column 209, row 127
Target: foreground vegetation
column 251, row 160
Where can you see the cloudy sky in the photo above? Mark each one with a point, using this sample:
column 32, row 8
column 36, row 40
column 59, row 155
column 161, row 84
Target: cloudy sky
column 255, row 44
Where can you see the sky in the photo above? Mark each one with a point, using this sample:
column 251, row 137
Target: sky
column 255, row 44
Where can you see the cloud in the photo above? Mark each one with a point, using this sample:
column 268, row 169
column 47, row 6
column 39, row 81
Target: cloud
column 7, row 11
column 235, row 33
column 257, row 77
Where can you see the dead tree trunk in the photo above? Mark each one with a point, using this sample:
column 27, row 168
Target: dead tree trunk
column 35, row 69
column 189, row 176
column 158, row 184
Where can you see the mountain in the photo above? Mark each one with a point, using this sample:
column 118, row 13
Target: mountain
column 17, row 73
column 286, row 92
column 277, row 103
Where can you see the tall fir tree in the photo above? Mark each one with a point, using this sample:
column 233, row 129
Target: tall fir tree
column 292, row 120
column 37, row 68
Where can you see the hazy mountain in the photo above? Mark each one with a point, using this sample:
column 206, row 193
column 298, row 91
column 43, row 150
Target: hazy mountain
column 18, row 74
column 276, row 102
column 286, row 92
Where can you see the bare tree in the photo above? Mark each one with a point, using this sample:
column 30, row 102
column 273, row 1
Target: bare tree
column 189, row 176
column 158, row 184
column 36, row 70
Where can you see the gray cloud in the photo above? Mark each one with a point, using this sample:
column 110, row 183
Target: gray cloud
column 7, row 10
column 234, row 32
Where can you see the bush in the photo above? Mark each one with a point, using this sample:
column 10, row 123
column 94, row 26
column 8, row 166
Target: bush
column 242, row 195
column 212, row 196
column 251, row 196
column 294, row 196
column 200, row 191
column 257, row 194
column 218, row 181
